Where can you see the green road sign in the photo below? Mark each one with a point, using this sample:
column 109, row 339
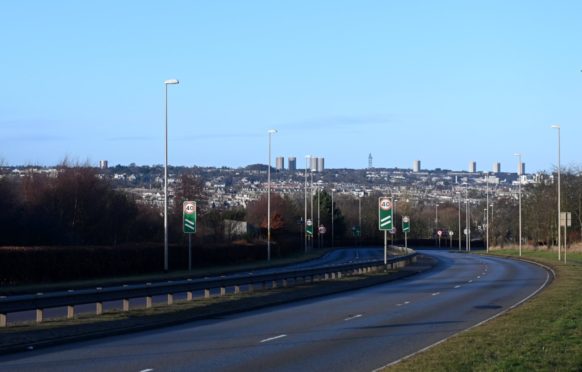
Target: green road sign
column 189, row 214
column 406, row 224
column 309, row 227
column 385, row 216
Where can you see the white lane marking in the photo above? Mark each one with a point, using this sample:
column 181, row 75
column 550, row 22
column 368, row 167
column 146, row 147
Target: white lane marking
column 406, row 302
column 147, row 370
column 457, row 286
column 479, row 277
column 272, row 338
column 470, row 281
column 436, row 293
column 351, row 317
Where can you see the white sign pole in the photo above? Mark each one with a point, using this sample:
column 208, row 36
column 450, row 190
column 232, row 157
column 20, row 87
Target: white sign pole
column 385, row 247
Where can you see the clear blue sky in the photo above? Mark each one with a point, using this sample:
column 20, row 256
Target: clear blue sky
column 445, row 82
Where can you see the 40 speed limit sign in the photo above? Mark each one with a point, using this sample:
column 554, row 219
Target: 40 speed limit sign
column 189, row 217
column 385, row 214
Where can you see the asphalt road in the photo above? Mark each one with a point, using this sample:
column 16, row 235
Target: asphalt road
column 355, row 331
column 334, row 258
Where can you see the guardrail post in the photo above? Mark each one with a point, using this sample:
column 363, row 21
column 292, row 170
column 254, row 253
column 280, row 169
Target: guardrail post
column 251, row 288
column 125, row 304
column 339, row 274
column 236, row 289
column 207, row 293
column 39, row 315
column 222, row 291
column 70, row 312
column 284, row 283
column 149, row 302
column 98, row 308
column 189, row 296
column 170, row 298
column 2, row 320
column 274, row 284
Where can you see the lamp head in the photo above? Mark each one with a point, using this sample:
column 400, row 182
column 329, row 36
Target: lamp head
column 171, row 81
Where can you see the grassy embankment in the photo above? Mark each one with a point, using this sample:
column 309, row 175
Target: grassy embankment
column 543, row 334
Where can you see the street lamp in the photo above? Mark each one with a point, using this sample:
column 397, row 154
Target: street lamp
column 166, row 83
column 359, row 225
column 519, row 169
column 271, row 132
column 559, row 192
column 487, row 214
column 467, row 218
column 307, row 160
column 459, row 208
column 332, row 217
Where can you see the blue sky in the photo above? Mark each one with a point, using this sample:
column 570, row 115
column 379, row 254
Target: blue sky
column 445, row 82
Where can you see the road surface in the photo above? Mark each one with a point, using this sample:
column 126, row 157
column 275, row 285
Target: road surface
column 354, row 331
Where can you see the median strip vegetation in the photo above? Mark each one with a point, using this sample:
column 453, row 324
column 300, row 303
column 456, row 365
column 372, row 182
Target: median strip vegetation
column 544, row 333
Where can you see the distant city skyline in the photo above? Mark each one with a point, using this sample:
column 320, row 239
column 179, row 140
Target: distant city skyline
column 445, row 83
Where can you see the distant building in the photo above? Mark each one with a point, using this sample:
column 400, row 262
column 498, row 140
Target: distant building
column 416, row 166
column 320, row 164
column 313, row 163
column 472, row 166
column 497, row 167
column 280, row 163
column 292, row 163
column 370, row 165
column 521, row 170
column 103, row 164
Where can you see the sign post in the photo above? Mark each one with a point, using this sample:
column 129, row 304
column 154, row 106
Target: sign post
column 385, row 221
column 440, row 233
column 405, row 229
column 566, row 221
column 189, row 226
column 451, row 233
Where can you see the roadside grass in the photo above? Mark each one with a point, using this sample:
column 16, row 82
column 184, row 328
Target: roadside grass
column 543, row 334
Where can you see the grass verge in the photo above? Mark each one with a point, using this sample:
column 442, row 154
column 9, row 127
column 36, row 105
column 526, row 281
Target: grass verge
column 543, row 334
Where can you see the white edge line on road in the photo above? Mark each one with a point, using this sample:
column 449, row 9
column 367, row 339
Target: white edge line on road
column 147, row 370
column 436, row 293
column 548, row 277
column 272, row 338
column 353, row 317
column 457, row 286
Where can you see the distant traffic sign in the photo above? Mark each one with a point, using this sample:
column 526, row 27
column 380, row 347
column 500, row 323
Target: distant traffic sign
column 406, row 224
column 309, row 227
column 322, row 229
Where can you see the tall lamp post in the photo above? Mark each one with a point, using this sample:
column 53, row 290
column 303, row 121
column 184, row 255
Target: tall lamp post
column 519, row 169
column 467, row 218
column 307, row 160
column 332, row 218
column 460, row 235
column 271, row 132
column 359, row 225
column 166, row 83
column 487, row 212
column 559, row 192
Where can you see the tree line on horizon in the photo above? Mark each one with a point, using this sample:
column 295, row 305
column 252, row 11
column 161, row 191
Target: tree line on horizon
column 78, row 208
